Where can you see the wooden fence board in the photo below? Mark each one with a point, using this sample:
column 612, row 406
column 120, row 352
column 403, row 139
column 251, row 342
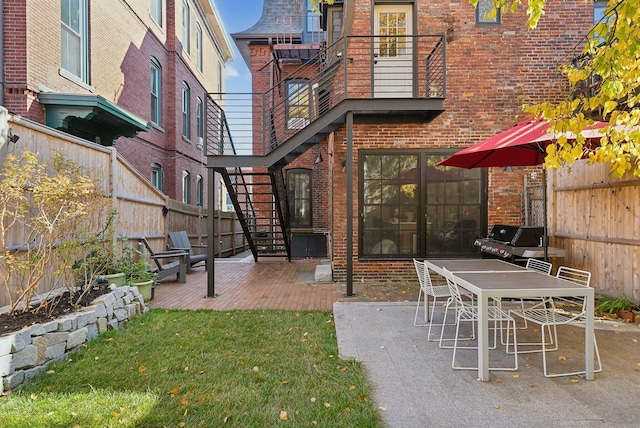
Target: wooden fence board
column 138, row 203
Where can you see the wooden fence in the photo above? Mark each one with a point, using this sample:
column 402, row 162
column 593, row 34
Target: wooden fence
column 142, row 209
column 596, row 219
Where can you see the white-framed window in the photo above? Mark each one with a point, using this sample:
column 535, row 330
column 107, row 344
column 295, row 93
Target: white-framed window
column 156, row 11
column 484, row 14
column 199, row 190
column 156, row 175
column 186, row 187
column 186, row 26
column 198, row 47
column 297, row 107
column 155, row 83
column 186, row 111
column 199, row 118
column 74, row 47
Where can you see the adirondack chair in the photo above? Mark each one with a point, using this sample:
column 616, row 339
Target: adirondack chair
column 180, row 241
column 168, row 263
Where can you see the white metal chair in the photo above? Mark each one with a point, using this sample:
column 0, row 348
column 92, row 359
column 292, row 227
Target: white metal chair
column 541, row 266
column 551, row 313
column 428, row 289
column 466, row 312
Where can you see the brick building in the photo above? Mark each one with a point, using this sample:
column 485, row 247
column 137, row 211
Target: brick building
column 132, row 73
column 355, row 115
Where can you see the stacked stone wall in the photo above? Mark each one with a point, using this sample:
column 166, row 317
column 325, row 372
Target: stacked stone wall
column 26, row 353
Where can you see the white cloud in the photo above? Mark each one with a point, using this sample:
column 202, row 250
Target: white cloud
column 231, row 71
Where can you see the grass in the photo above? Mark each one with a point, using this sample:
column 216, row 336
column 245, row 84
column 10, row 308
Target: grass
column 201, row 369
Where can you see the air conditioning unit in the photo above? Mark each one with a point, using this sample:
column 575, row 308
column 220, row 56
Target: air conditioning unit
column 200, row 143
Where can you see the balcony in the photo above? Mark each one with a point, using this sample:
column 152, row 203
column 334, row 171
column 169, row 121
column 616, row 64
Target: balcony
column 382, row 76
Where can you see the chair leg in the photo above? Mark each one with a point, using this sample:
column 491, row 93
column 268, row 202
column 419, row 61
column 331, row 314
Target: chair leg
column 544, row 360
column 415, row 319
column 495, row 340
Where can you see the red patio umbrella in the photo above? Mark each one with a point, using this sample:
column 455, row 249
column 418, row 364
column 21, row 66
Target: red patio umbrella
column 522, row 145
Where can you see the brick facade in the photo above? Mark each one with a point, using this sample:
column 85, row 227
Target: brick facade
column 492, row 70
column 122, row 40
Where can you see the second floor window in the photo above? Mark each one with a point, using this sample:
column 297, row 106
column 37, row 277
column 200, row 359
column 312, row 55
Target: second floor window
column 199, row 121
column 484, row 14
column 156, row 176
column 155, row 77
column 186, row 111
column 186, row 26
column 186, row 187
column 156, row 11
column 297, row 104
column 74, row 48
column 199, row 47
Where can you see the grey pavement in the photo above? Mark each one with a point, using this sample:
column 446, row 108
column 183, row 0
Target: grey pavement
column 415, row 386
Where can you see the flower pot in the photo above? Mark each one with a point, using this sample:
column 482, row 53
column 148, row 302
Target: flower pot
column 118, row 279
column 145, row 288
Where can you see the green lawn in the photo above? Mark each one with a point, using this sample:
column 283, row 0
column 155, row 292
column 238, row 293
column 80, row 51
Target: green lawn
column 201, row 369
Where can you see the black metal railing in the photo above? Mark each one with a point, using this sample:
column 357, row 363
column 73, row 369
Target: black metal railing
column 355, row 67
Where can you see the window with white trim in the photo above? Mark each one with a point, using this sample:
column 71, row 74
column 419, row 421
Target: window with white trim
column 155, row 83
column 199, row 190
column 199, row 121
column 156, row 175
column 156, row 11
column 74, row 47
column 198, row 47
column 297, row 104
column 186, row 111
column 186, row 187
column 186, row 26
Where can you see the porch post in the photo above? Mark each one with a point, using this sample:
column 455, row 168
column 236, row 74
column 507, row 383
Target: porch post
column 349, row 171
column 211, row 229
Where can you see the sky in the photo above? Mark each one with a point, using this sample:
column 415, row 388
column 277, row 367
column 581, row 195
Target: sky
column 238, row 15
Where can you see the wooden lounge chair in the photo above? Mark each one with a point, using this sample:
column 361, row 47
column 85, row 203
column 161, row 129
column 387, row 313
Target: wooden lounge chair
column 168, row 263
column 180, row 241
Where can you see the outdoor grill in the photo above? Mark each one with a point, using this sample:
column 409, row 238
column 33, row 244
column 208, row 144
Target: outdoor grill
column 511, row 242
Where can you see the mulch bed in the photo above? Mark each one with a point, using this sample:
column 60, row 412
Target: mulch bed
column 60, row 305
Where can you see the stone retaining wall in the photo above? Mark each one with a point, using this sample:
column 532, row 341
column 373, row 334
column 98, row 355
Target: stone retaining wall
column 26, row 353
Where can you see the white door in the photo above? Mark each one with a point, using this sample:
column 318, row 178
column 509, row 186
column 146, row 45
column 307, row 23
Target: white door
column 393, row 52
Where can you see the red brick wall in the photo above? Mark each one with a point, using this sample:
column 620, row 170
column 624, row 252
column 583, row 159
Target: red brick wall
column 491, row 72
column 122, row 39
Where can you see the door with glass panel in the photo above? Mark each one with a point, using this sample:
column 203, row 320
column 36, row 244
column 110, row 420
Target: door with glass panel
column 299, row 197
column 411, row 208
column 393, row 52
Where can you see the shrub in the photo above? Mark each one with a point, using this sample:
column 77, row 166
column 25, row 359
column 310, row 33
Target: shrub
column 59, row 214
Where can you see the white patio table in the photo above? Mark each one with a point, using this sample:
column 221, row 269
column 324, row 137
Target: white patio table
column 492, row 278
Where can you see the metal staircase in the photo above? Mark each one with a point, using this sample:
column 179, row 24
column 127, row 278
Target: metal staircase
column 261, row 210
column 338, row 81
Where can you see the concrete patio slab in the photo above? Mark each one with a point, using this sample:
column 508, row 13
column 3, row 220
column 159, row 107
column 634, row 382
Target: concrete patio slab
column 415, row 385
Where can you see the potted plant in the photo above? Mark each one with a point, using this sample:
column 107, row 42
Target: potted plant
column 138, row 273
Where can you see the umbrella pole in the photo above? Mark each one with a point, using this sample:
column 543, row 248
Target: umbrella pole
column 545, row 238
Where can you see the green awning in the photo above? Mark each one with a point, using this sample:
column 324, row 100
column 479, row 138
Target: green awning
column 89, row 116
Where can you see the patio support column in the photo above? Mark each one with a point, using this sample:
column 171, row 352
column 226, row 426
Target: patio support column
column 211, row 240
column 349, row 171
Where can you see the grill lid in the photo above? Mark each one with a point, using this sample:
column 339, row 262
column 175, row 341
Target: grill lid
column 516, row 236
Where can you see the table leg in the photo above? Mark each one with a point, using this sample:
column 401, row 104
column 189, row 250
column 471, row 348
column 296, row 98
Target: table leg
column 589, row 335
column 483, row 337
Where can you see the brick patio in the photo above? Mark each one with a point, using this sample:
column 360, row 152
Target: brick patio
column 240, row 283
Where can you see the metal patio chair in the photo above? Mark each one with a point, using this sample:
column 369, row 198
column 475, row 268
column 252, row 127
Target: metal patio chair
column 558, row 311
column 466, row 312
column 435, row 292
